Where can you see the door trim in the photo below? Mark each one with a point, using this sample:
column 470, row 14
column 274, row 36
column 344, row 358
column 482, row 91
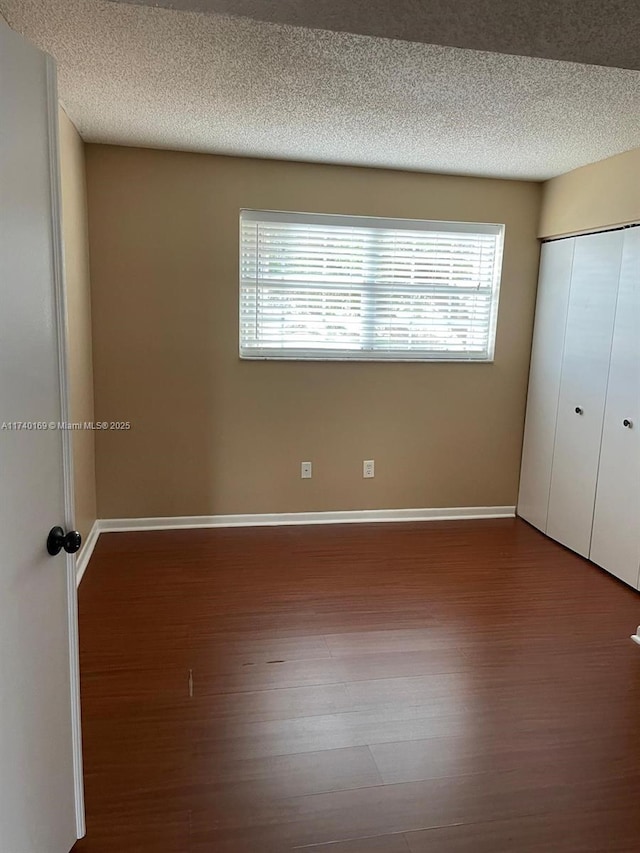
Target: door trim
column 60, row 299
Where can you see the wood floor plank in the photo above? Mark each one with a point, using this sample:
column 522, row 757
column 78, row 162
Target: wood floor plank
column 380, row 844
column 286, row 703
column 251, row 787
column 300, row 673
column 602, row 757
column 439, row 635
column 327, row 731
column 287, row 776
column 612, row 830
column 445, row 687
column 412, row 807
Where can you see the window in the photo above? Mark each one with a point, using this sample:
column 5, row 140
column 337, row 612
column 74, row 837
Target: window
column 317, row 286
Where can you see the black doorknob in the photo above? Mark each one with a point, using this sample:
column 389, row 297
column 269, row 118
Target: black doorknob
column 579, row 410
column 626, row 422
column 57, row 540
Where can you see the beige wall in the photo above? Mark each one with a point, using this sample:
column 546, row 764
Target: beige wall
column 76, row 262
column 592, row 197
column 212, row 434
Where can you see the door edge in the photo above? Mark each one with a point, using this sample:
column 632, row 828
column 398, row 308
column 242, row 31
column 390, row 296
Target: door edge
column 60, row 299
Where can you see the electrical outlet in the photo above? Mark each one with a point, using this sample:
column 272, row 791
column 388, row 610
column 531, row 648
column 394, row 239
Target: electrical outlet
column 369, row 468
column 305, row 470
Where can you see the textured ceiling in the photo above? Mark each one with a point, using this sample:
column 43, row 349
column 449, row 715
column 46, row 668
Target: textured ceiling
column 155, row 77
column 591, row 31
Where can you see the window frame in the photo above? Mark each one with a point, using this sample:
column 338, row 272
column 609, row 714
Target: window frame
column 382, row 223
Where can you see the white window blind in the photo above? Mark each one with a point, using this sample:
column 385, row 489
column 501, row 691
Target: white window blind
column 315, row 286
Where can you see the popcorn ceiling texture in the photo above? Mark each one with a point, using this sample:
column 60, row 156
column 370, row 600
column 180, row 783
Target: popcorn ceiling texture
column 593, row 31
column 155, row 77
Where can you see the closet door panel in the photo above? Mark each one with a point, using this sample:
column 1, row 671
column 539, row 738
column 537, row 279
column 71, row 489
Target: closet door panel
column 583, row 385
column 615, row 543
column 556, row 260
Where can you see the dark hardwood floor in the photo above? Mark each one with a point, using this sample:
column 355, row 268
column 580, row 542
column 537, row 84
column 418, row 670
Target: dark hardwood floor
column 458, row 687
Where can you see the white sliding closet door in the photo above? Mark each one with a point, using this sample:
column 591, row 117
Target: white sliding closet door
column 615, row 543
column 583, row 385
column 556, row 260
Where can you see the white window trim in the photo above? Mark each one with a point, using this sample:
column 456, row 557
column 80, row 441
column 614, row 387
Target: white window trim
column 389, row 356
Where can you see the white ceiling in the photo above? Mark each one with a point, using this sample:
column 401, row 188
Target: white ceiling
column 137, row 75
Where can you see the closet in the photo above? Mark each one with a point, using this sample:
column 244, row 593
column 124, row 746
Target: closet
column 580, row 477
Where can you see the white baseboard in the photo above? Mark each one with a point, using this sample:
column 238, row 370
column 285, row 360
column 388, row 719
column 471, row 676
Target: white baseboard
column 119, row 525
column 82, row 560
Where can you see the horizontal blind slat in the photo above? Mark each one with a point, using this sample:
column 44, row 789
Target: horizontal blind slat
column 309, row 288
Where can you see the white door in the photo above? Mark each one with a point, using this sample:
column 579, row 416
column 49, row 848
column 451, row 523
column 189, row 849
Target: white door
column 556, row 261
column 615, row 543
column 40, row 789
column 583, row 385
